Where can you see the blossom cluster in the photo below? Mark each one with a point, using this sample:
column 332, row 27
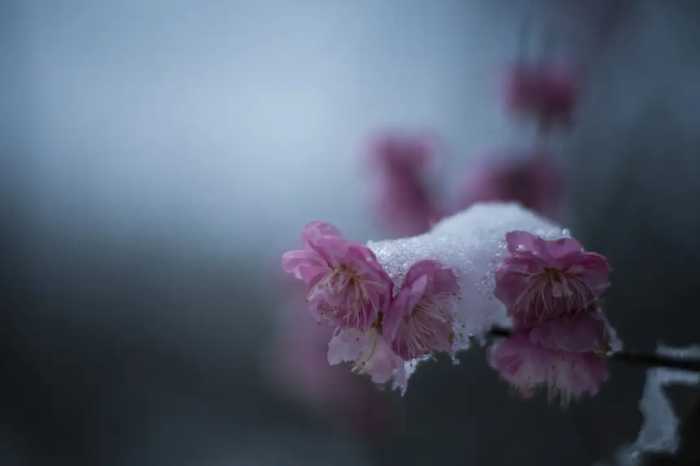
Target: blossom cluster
column 551, row 290
column 378, row 327
column 395, row 303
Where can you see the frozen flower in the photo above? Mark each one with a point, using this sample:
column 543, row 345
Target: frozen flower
column 542, row 280
column 369, row 352
column 421, row 317
column 345, row 284
column 404, row 202
column 532, row 179
column 548, row 92
column 564, row 355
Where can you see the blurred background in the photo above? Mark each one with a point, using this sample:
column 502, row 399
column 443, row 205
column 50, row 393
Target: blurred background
column 158, row 157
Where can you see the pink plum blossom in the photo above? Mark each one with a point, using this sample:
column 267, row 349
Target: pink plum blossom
column 527, row 366
column 541, row 280
column 346, row 286
column 532, row 179
column 547, row 92
column 404, row 203
column 420, row 319
column 369, row 352
column 565, row 355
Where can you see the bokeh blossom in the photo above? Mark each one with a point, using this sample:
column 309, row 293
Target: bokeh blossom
column 565, row 355
column 300, row 368
column 421, row 320
column 404, row 202
column 541, row 280
column 533, row 179
column 346, row 286
column 302, row 361
column 546, row 92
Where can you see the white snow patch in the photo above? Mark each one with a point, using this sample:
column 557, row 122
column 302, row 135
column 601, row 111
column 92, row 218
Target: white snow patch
column 472, row 243
column 659, row 433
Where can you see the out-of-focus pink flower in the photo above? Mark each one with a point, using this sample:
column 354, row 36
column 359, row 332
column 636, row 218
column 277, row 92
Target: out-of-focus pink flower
column 564, row 355
column 298, row 366
column 301, row 356
column 369, row 352
column 346, row 286
column 548, row 92
column 420, row 319
column 534, row 180
column 404, row 202
column 541, row 280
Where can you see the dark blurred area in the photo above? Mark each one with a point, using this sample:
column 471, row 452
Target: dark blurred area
column 158, row 157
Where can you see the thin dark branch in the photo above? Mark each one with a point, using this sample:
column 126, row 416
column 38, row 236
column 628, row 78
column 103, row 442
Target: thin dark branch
column 655, row 360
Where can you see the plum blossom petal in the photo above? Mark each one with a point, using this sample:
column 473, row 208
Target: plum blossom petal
column 346, row 286
column 565, row 354
column 527, row 244
column 368, row 351
column 304, row 265
column 318, row 229
column 528, row 366
column 347, row 346
column 421, row 318
column 308, row 263
column 541, row 279
column 583, row 333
